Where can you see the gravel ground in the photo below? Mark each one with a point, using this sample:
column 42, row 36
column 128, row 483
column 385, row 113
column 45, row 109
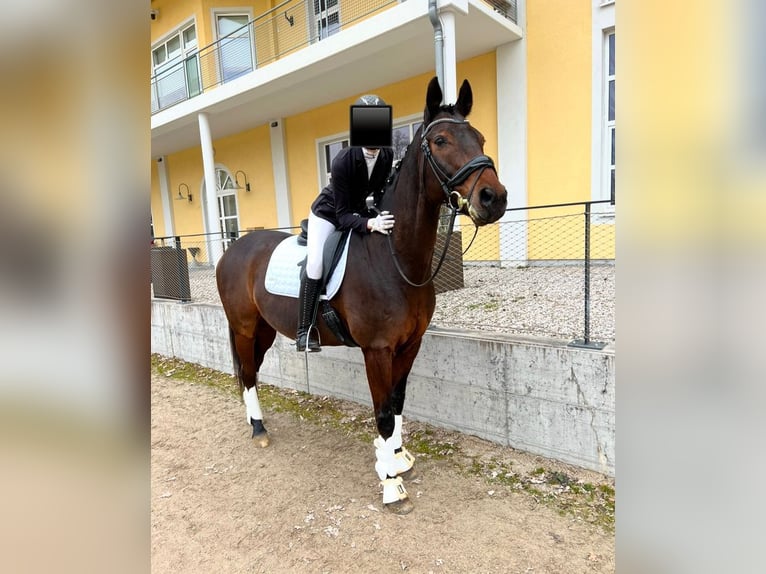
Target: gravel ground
column 544, row 301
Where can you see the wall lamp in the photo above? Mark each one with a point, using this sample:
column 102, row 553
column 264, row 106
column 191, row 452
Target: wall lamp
column 244, row 175
column 182, row 196
column 290, row 19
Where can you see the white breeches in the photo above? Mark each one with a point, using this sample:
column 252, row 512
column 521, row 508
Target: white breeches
column 318, row 232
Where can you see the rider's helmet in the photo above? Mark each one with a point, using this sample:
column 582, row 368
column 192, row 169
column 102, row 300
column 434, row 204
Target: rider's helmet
column 369, row 100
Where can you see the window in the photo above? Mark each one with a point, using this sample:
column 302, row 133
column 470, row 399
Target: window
column 610, row 115
column 603, row 116
column 326, row 19
column 175, row 68
column 228, row 218
column 402, row 136
column 236, row 46
column 329, row 150
column 402, row 133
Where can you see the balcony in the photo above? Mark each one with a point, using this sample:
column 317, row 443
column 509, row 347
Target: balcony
column 298, row 55
column 290, row 26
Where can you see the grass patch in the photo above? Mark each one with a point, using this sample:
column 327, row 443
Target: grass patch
column 178, row 369
column 568, row 496
column 487, row 306
column 423, row 443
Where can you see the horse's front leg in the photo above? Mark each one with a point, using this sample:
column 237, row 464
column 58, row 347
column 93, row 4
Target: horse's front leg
column 402, row 364
column 379, row 365
column 405, row 461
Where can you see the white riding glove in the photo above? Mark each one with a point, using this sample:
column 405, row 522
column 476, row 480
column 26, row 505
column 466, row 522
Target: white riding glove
column 383, row 223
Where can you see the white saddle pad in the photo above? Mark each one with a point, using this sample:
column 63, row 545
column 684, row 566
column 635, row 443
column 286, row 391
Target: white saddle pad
column 283, row 276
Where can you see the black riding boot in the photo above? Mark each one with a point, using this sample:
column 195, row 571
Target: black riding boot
column 308, row 304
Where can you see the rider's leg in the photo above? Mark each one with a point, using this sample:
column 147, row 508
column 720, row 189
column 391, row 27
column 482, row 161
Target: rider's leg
column 318, row 231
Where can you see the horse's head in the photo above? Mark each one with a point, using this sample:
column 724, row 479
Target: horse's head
column 455, row 152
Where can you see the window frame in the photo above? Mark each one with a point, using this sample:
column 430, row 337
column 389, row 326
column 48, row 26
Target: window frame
column 609, row 159
column 410, row 121
column 232, row 12
column 221, row 193
column 186, row 53
column 603, row 25
column 316, row 18
column 323, row 168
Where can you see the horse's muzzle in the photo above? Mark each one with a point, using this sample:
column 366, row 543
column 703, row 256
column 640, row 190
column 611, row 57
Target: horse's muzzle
column 490, row 206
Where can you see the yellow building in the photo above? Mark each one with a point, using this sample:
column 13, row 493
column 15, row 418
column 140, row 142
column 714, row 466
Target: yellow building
column 252, row 100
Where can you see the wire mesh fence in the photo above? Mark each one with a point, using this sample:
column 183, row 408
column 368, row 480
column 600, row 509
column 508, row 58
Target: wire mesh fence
column 546, row 271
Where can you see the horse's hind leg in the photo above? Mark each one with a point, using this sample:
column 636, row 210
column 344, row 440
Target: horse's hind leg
column 250, row 351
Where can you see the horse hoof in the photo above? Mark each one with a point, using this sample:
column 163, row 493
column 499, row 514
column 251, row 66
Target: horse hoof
column 400, row 507
column 261, row 440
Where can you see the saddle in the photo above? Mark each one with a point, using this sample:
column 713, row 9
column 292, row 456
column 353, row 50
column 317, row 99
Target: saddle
column 331, row 255
column 282, row 277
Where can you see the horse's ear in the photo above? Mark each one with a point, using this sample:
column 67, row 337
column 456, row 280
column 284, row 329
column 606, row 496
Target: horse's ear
column 464, row 99
column 433, row 100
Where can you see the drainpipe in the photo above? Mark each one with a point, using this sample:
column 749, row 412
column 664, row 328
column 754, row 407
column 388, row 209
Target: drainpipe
column 433, row 15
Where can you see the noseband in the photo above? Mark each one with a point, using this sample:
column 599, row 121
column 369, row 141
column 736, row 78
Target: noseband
column 451, row 196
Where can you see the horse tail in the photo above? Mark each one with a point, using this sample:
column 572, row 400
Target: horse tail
column 237, row 362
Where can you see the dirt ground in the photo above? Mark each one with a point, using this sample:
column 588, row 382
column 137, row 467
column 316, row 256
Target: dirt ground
column 311, row 502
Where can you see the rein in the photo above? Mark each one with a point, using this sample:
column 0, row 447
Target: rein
column 447, row 183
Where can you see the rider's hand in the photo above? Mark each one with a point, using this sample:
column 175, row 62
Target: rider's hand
column 383, row 223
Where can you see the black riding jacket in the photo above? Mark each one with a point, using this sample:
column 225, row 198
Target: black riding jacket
column 343, row 200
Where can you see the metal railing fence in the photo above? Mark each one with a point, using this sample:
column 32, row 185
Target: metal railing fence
column 284, row 29
column 545, row 271
column 289, row 26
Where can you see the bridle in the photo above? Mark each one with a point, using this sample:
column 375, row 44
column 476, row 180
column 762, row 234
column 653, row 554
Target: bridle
column 452, row 197
column 447, row 183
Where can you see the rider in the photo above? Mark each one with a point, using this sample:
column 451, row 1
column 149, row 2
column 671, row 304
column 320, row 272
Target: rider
column 356, row 173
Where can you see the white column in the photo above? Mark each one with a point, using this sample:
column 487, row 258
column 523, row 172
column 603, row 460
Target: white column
column 210, row 207
column 449, row 88
column 279, row 167
column 165, row 195
column 511, row 70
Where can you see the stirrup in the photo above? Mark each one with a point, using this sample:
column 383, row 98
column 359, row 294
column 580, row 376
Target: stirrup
column 314, row 345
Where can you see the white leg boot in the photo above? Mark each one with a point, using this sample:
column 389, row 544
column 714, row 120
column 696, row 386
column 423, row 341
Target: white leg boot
column 385, row 466
column 252, row 405
column 403, row 460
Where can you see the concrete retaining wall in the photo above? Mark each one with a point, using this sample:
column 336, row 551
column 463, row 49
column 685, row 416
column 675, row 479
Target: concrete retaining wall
column 537, row 395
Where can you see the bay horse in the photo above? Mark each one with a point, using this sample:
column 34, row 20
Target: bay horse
column 386, row 299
